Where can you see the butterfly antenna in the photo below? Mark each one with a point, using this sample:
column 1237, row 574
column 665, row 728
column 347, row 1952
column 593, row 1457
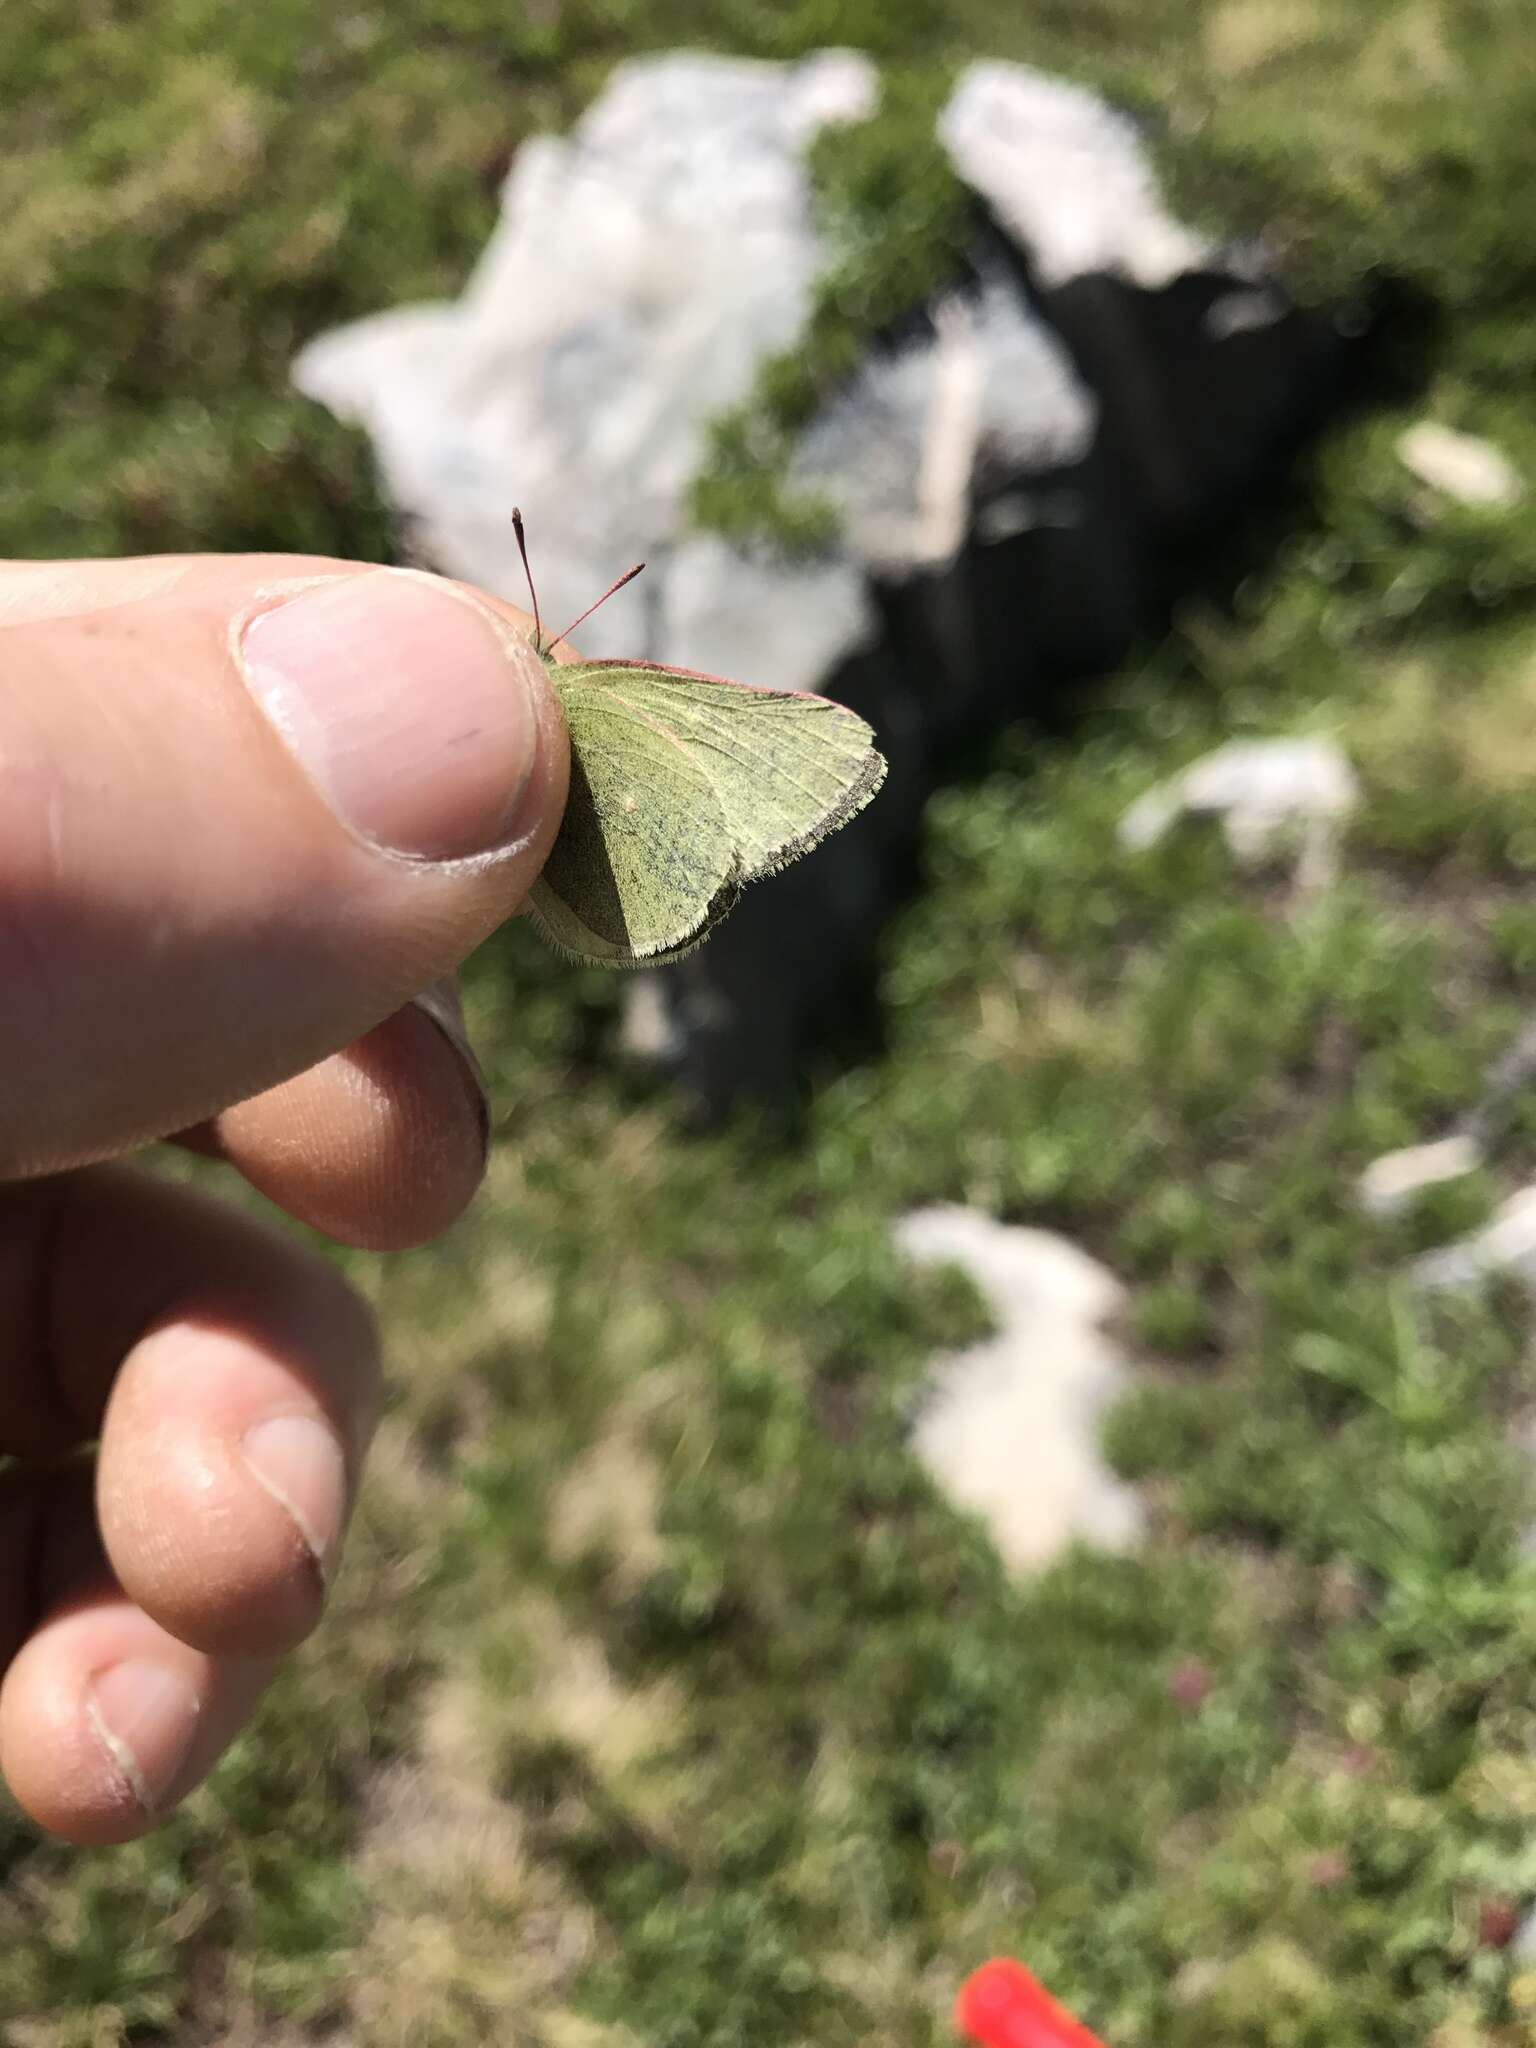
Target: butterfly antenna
column 628, row 577
column 522, row 549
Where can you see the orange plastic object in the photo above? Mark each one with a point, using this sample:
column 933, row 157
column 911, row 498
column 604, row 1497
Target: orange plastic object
column 1002, row 2006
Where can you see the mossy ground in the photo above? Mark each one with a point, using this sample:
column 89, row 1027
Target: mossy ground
column 660, row 1700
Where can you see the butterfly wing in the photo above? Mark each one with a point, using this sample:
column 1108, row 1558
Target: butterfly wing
column 645, row 861
column 787, row 769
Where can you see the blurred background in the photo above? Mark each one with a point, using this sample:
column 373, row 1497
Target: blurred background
column 988, row 1412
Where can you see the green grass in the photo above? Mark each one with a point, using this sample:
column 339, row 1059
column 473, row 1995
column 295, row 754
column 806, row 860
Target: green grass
column 661, row 1701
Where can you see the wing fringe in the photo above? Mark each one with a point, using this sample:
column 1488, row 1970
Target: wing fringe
column 852, row 801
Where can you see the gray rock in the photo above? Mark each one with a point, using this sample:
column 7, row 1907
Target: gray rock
column 1010, row 1430
column 1010, row 468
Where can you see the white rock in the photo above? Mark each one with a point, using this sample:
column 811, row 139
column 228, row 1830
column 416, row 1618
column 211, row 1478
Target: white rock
column 1010, row 1431
column 1464, row 466
column 1265, row 792
column 642, row 268
column 1067, row 176
column 1392, row 1181
column 1506, row 1245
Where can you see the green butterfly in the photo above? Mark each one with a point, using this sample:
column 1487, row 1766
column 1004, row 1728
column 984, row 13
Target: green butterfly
column 684, row 788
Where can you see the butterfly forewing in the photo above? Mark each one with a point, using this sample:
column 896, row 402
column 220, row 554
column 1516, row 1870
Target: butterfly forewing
column 787, row 768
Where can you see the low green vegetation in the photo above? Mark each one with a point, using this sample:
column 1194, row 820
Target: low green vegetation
column 895, row 217
column 661, row 1701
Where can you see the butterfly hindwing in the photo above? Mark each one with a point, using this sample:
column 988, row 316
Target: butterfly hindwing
column 644, row 863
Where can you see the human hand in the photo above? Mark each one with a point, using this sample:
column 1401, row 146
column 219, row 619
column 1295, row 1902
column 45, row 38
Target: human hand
column 201, row 762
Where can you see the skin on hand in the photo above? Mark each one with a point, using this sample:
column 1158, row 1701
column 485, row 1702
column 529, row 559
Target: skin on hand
column 253, row 812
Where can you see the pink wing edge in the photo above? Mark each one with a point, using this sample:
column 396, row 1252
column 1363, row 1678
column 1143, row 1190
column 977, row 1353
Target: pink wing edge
column 702, row 675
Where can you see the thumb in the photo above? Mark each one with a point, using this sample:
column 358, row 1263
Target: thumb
column 249, row 805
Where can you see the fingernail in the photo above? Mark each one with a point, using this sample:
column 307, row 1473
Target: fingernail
column 145, row 1717
column 410, row 705
column 300, row 1463
column 441, row 1003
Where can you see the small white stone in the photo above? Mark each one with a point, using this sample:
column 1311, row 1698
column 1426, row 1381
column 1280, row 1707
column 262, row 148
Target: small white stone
column 1263, row 792
column 1391, row 1181
column 1506, row 1245
column 1245, row 311
column 1010, row 1431
column 647, row 1030
column 1464, row 466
